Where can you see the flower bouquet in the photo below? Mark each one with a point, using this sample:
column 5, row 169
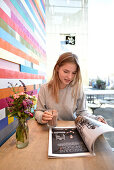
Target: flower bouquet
column 19, row 106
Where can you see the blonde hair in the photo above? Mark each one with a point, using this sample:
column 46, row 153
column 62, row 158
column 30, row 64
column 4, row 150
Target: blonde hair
column 54, row 83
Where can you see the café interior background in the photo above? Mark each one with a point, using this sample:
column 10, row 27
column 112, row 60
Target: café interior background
column 90, row 21
column 33, row 35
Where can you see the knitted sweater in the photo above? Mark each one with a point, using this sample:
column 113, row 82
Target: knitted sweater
column 66, row 108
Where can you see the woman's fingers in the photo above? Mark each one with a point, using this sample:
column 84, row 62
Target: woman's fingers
column 46, row 116
column 102, row 120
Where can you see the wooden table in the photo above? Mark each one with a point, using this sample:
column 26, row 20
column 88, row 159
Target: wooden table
column 35, row 155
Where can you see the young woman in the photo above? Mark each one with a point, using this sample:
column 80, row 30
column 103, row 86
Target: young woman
column 63, row 93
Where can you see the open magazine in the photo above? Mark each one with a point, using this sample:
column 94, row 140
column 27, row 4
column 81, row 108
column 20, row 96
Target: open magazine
column 78, row 140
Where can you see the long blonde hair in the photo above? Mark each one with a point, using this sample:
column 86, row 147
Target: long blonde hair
column 54, row 83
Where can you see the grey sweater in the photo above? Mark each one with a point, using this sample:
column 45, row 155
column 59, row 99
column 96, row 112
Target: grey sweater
column 66, row 108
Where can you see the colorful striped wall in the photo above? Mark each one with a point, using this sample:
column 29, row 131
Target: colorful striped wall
column 22, row 52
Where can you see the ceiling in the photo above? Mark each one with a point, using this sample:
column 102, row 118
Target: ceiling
column 65, row 15
column 65, row 6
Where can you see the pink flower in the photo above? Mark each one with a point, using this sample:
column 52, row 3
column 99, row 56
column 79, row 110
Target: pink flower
column 24, row 104
column 22, row 93
column 15, row 96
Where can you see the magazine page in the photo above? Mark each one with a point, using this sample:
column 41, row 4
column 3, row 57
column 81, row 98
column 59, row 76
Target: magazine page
column 90, row 129
column 66, row 142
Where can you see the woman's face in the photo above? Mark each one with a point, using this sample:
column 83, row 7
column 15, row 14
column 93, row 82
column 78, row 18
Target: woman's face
column 66, row 74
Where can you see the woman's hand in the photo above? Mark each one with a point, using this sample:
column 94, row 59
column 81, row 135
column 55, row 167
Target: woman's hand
column 47, row 115
column 101, row 119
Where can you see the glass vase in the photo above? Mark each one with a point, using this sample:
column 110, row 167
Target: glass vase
column 22, row 134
